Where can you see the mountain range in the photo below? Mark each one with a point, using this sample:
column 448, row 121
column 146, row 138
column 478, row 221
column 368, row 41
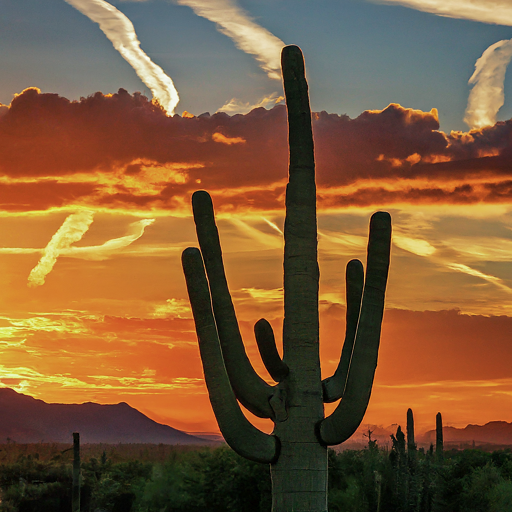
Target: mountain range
column 494, row 432
column 28, row 420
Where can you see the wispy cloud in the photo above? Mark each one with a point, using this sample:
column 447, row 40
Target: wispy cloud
column 247, row 35
column 103, row 251
column 487, row 96
column 259, row 239
column 275, row 294
column 498, row 12
column 273, row 226
column 72, row 230
column 120, row 31
column 30, row 379
column 222, row 139
column 414, row 245
column 423, row 248
column 476, row 273
column 236, row 106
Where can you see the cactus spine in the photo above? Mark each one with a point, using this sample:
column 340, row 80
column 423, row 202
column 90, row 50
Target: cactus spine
column 297, row 448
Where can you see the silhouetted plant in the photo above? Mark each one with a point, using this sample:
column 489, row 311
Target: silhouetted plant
column 439, row 437
column 297, row 448
column 411, row 445
column 398, row 458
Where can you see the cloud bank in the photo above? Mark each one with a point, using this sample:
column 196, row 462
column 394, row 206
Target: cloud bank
column 121, row 32
column 121, row 151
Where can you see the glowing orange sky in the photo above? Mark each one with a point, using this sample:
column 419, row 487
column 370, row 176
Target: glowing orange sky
column 100, row 190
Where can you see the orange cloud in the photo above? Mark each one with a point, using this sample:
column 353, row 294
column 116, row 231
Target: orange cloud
column 122, row 151
column 218, row 137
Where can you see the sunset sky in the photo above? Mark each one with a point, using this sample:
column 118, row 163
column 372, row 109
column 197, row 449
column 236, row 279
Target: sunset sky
column 411, row 104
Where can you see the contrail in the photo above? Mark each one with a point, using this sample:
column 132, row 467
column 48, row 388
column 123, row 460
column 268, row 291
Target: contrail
column 487, row 96
column 119, row 29
column 473, row 272
column 102, row 252
column 71, row 231
column 248, row 36
column 498, row 12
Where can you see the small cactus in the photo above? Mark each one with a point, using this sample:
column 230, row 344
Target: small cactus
column 297, row 448
column 439, row 436
column 411, row 445
column 76, row 473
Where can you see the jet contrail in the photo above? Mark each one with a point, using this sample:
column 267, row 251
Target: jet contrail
column 498, row 12
column 119, row 29
column 102, row 252
column 473, row 272
column 248, row 36
column 487, row 96
column 72, row 230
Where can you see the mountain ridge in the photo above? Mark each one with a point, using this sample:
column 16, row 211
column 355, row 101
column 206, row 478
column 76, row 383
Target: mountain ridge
column 26, row 419
column 494, row 432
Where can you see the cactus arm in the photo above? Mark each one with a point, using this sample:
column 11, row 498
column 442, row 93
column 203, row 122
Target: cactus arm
column 343, row 422
column 268, row 350
column 250, row 389
column 333, row 387
column 238, row 432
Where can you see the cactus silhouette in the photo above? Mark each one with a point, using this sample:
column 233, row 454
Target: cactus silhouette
column 76, row 473
column 439, row 436
column 411, row 445
column 297, row 448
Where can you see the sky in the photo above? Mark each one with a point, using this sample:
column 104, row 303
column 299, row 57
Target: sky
column 112, row 114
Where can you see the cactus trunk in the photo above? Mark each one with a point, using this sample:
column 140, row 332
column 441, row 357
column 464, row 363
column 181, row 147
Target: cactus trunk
column 299, row 477
column 297, row 448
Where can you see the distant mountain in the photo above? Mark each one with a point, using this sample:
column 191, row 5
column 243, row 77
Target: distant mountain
column 494, row 432
column 27, row 420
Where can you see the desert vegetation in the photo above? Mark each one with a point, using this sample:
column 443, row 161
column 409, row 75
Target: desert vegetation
column 163, row 478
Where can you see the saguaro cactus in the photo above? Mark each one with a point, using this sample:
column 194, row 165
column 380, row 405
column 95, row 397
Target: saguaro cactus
column 297, row 448
column 439, row 436
column 76, row 473
column 411, row 445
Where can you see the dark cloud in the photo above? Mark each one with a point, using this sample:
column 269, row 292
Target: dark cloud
column 120, row 135
column 42, row 195
column 430, row 346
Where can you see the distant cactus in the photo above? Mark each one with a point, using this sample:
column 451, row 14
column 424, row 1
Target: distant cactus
column 399, row 444
column 399, row 461
column 411, row 445
column 297, row 448
column 439, row 436
column 76, row 473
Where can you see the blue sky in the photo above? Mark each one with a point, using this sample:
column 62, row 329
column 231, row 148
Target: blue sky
column 360, row 55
